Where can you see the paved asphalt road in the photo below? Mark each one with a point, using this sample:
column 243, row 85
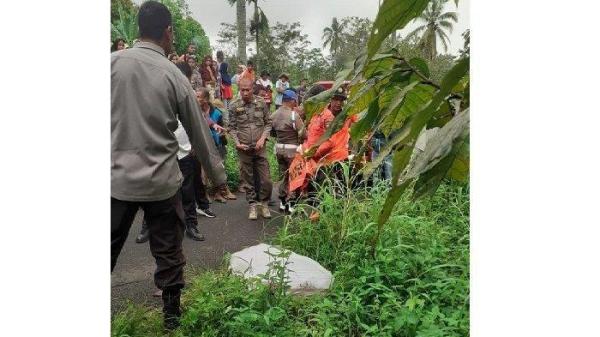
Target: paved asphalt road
column 228, row 232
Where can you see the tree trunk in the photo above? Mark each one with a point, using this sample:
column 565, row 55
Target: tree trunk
column 256, row 18
column 433, row 46
column 241, row 29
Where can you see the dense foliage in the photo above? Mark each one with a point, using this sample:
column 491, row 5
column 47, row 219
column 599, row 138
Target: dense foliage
column 396, row 96
column 416, row 286
column 186, row 28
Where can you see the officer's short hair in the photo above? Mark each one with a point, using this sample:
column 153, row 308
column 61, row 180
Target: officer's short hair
column 153, row 19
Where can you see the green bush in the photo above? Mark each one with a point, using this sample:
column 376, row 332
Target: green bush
column 417, row 285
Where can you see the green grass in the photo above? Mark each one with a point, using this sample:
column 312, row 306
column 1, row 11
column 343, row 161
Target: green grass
column 418, row 284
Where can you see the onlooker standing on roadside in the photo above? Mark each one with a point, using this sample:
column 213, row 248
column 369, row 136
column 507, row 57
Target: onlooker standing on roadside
column 218, row 62
column 265, row 88
column 250, row 125
column 226, row 90
column 173, row 57
column 248, row 73
column 191, row 50
column 236, row 77
column 148, row 95
column 196, row 79
column 301, row 91
column 208, row 74
column 281, row 85
column 118, row 44
column 215, row 118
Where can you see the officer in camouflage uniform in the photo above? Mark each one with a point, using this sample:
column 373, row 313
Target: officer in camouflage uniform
column 249, row 127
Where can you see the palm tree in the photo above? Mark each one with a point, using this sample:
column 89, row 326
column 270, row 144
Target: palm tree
column 333, row 36
column 258, row 24
column 241, row 27
column 435, row 23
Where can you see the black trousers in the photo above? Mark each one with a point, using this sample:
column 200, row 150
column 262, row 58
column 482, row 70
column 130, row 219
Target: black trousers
column 187, row 166
column 199, row 187
column 165, row 224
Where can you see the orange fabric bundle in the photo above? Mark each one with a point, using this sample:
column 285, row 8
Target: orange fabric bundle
column 300, row 172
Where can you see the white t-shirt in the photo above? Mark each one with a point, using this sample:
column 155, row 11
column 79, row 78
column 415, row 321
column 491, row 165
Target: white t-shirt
column 279, row 96
column 266, row 83
column 184, row 142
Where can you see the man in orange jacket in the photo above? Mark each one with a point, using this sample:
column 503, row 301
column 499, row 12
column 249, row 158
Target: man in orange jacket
column 333, row 150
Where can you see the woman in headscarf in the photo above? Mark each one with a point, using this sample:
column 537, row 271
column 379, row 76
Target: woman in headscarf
column 208, row 75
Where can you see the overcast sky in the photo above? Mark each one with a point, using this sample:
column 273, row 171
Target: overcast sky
column 314, row 15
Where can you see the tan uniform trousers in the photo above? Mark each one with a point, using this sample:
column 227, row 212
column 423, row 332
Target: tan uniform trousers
column 255, row 175
column 284, row 162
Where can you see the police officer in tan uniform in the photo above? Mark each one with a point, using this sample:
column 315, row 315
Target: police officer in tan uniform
column 289, row 129
column 249, row 126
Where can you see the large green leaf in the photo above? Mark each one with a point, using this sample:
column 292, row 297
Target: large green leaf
column 442, row 116
column 409, row 100
column 431, row 165
column 460, row 167
column 392, row 15
column 399, row 162
column 379, row 64
column 420, row 65
column 366, row 123
column 415, row 123
column 453, row 76
column 368, row 93
column 394, row 139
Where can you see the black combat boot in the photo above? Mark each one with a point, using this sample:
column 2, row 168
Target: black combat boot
column 191, row 230
column 171, row 309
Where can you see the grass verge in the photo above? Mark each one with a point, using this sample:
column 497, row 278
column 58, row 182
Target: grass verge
column 417, row 285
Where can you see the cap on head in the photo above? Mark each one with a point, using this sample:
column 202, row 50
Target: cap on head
column 339, row 94
column 290, row 95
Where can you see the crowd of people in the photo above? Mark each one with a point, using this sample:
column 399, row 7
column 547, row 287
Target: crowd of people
column 171, row 119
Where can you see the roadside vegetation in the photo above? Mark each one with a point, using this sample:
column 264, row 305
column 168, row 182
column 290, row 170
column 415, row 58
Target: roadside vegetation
column 417, row 284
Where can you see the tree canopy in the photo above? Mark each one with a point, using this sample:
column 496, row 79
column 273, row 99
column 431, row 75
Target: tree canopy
column 187, row 29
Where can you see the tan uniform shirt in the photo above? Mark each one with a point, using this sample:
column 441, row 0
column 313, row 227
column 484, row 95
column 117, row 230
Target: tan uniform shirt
column 287, row 128
column 249, row 121
column 148, row 94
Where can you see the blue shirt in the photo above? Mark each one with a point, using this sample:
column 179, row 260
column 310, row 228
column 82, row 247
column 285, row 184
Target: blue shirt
column 217, row 116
